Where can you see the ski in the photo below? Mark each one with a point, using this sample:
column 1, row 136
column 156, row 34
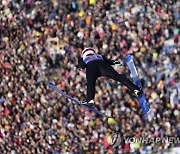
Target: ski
column 75, row 100
column 142, row 100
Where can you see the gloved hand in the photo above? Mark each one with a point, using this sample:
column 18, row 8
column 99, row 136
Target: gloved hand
column 81, row 63
column 118, row 63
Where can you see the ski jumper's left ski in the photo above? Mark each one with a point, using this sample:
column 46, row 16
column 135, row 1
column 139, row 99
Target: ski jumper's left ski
column 75, row 100
column 142, row 99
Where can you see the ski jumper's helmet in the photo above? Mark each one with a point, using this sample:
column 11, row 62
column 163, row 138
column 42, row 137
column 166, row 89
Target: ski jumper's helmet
column 87, row 51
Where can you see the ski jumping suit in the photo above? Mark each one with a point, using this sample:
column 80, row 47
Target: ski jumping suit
column 98, row 65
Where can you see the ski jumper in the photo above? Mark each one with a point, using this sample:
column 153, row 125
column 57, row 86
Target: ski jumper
column 98, row 65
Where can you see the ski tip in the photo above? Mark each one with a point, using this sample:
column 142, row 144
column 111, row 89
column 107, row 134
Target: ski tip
column 128, row 57
column 51, row 84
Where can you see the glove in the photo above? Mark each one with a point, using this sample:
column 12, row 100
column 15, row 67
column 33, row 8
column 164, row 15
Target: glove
column 118, row 63
column 81, row 63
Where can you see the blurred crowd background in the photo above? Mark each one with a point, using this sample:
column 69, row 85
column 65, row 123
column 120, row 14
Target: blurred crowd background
column 40, row 41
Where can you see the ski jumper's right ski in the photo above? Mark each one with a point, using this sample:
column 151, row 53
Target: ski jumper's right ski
column 142, row 99
column 75, row 100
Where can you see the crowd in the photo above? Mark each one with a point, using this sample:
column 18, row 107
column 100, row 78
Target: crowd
column 40, row 42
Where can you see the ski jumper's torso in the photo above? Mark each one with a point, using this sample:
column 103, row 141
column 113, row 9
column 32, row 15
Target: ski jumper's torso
column 91, row 58
column 95, row 65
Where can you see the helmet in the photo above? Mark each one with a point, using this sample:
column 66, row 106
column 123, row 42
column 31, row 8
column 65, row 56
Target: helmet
column 87, row 51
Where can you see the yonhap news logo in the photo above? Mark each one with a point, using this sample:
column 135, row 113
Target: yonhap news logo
column 116, row 139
